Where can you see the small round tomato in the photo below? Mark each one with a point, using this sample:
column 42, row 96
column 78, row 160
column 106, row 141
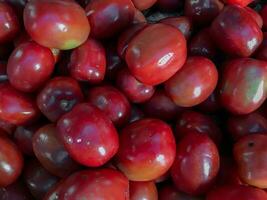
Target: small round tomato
column 143, row 190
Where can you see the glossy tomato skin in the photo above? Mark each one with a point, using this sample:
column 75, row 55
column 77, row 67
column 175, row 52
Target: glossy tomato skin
column 241, row 3
column 202, row 12
column 107, row 184
column 261, row 53
column 193, row 83
column 196, row 165
column 202, row 45
column 233, row 192
column 9, row 24
column 51, row 153
column 190, row 121
column 84, row 132
column 133, row 89
column 112, row 102
column 143, row 5
column 63, row 23
column 16, row 107
column 30, row 66
column 225, row 31
column 161, row 106
column 38, row 179
column 239, row 126
column 143, row 190
column 139, row 17
column 58, row 97
column 11, row 162
column 147, row 150
column 255, row 15
column 249, row 153
column 88, row 62
column 150, row 63
column 242, row 89
column 182, row 23
column 109, row 17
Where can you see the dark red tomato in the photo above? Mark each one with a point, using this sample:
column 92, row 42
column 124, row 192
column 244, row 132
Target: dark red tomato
column 30, row 66
column 107, row 184
column 144, row 4
column 56, row 24
column 196, row 164
column 193, row 83
column 15, row 191
column 263, row 13
column 182, row 23
column 3, row 74
column 51, row 153
column 255, row 15
column 202, row 45
column 23, row 138
column 261, row 53
column 190, row 121
column 16, row 107
column 138, row 17
column 58, row 97
column 161, row 106
column 148, row 61
column 239, row 126
column 169, row 192
column 9, row 24
column 11, row 162
column 241, row 3
column 112, row 102
column 249, row 153
column 234, row 192
column 243, row 85
column 38, row 180
column 88, row 62
column 109, row 17
column 202, row 12
column 133, row 89
column 143, row 190
column 225, row 31
column 169, row 5
column 127, row 36
column 147, row 150
column 88, row 135
column 211, row 104
column 136, row 114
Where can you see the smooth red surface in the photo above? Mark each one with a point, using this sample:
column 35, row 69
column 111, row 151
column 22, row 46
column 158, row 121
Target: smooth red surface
column 11, row 162
column 56, row 24
column 148, row 61
column 58, row 97
column 263, row 13
column 202, row 12
column 144, row 4
column 30, row 66
column 16, row 107
column 126, row 37
column 161, row 106
column 109, row 17
column 225, row 31
column 190, row 121
column 261, row 52
column 196, row 164
column 138, row 17
column 112, row 102
column 249, row 153
column 202, row 45
column 239, row 126
column 51, row 153
column 169, row 5
column 143, row 190
column 233, row 192
column 169, row 192
column 38, row 180
column 133, row 89
column 105, row 184
column 243, row 85
column 242, row 3
column 9, row 24
column 88, row 62
column 255, row 15
column 193, row 83
column 182, row 23
column 7, row 127
column 88, row 135
column 147, row 150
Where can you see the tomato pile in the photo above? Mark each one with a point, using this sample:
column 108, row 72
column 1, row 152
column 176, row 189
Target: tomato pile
column 133, row 100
